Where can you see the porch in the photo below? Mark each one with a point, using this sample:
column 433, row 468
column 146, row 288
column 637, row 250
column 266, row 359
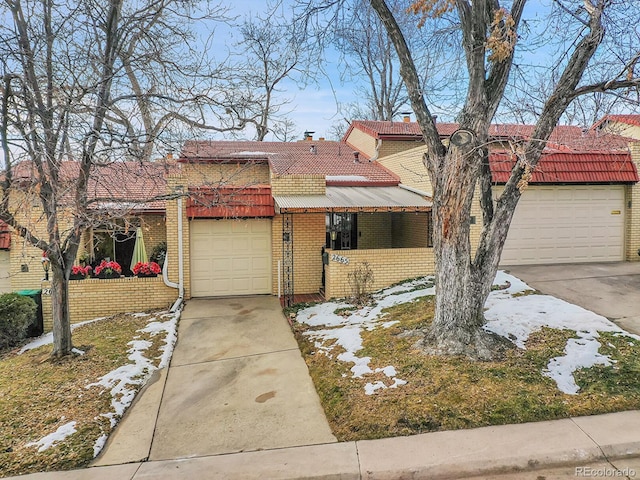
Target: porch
column 325, row 238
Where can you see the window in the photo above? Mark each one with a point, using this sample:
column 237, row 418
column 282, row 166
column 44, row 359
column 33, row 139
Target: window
column 342, row 231
column 107, row 245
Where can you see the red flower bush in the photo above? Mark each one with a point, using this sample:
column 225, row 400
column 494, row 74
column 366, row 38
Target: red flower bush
column 146, row 268
column 108, row 268
column 80, row 271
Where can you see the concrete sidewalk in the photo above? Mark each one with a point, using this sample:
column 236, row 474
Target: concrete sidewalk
column 606, row 446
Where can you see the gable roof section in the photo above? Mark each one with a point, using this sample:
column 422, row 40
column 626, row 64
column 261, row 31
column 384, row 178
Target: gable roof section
column 129, row 185
column 569, row 135
column 332, row 159
column 570, row 167
column 626, row 119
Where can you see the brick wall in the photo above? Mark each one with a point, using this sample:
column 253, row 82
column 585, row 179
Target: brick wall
column 632, row 213
column 206, row 174
column 409, row 167
column 308, row 184
column 393, row 147
column 374, row 230
column 94, row 298
column 363, row 142
column 389, row 266
column 308, row 239
column 174, row 182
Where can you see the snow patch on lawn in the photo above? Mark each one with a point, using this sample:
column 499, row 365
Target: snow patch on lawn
column 47, row 338
column 54, row 438
column 514, row 310
column 517, row 317
column 344, row 330
column 123, row 382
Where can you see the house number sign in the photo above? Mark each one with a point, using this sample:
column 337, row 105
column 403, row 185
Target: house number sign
column 46, row 291
column 340, row 259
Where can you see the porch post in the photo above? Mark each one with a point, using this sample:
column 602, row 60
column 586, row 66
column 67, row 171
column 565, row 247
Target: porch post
column 287, row 258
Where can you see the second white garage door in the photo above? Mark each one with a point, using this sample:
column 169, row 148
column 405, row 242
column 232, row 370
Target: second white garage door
column 567, row 224
column 230, row 257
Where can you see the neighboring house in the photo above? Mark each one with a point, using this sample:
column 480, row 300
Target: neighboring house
column 578, row 206
column 624, row 125
column 244, row 218
column 119, row 201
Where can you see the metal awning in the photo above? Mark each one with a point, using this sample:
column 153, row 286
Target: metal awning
column 355, row 199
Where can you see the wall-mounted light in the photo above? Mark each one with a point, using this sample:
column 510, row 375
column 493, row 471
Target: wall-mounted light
column 45, row 265
column 334, row 235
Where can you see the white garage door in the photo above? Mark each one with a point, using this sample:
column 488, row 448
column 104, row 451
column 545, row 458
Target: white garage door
column 5, row 268
column 230, row 257
column 567, row 224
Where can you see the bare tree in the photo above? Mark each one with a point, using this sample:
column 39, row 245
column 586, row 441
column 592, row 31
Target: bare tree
column 369, row 53
column 490, row 35
column 273, row 50
column 85, row 85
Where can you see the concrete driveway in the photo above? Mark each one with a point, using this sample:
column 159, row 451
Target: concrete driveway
column 236, row 383
column 609, row 289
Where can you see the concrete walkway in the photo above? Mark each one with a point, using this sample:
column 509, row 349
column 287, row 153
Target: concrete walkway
column 237, row 382
column 237, row 403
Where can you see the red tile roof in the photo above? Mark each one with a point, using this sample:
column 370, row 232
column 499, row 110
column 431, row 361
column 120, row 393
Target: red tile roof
column 333, row 159
column 231, row 202
column 570, row 167
column 569, row 136
column 5, row 236
column 120, row 185
column 628, row 119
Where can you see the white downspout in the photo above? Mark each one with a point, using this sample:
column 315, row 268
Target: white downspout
column 165, row 276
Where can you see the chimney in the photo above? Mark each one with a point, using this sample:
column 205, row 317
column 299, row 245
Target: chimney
column 308, row 136
column 406, row 117
column 356, row 157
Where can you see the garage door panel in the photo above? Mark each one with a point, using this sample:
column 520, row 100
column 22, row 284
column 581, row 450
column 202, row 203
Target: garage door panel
column 567, row 224
column 230, row 257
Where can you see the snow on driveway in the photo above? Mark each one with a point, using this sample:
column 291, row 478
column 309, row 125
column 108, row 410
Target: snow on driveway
column 514, row 311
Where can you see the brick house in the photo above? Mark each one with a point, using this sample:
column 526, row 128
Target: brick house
column 297, row 218
column 581, row 204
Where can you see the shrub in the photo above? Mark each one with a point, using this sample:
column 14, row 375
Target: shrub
column 361, row 281
column 159, row 253
column 16, row 313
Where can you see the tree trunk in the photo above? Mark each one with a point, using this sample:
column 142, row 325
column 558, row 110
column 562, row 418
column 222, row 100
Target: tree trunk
column 461, row 292
column 60, row 308
column 463, row 283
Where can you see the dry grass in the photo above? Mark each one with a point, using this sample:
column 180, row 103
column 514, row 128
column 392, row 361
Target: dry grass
column 454, row 393
column 38, row 395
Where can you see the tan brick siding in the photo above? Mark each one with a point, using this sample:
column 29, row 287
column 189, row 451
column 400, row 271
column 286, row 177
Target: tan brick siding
column 204, row 174
column 374, row 230
column 172, row 236
column 308, row 239
column 409, row 167
column 393, row 147
column 362, row 142
column 311, row 184
column 389, row 266
column 632, row 212
column 94, row 298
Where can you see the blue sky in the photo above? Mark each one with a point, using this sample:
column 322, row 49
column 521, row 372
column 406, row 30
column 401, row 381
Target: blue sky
column 314, row 108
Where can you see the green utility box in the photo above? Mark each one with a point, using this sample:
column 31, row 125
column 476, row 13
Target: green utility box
column 36, row 327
